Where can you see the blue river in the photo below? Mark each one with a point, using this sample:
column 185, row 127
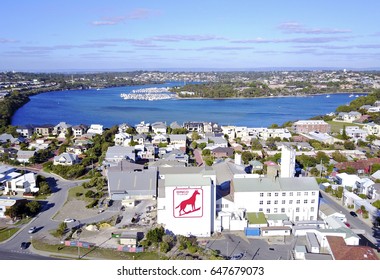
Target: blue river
column 106, row 107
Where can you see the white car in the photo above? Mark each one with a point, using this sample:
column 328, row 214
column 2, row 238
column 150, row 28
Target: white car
column 32, row 230
column 69, row 220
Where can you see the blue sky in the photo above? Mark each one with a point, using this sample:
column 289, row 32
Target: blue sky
column 53, row 35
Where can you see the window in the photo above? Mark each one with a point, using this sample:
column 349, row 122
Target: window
column 291, row 194
column 297, row 209
column 276, row 194
column 311, row 217
column 297, row 218
column 275, row 210
column 312, row 209
column 312, row 201
column 298, row 201
column 305, row 193
column 261, row 202
column 260, row 209
column 283, row 194
column 261, row 194
column 283, row 202
column 268, row 210
column 225, row 205
column 305, row 201
column 268, row 202
column 312, row 193
column 290, row 201
column 269, row 194
column 298, row 193
column 282, row 210
column 276, row 202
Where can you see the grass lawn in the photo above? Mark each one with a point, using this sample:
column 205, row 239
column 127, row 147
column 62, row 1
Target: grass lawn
column 337, row 126
column 79, row 189
column 6, row 233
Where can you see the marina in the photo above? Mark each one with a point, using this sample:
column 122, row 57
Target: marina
column 149, row 94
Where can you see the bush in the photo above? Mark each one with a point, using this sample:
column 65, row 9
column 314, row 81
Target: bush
column 192, row 249
column 93, row 203
column 78, row 194
column 164, row 247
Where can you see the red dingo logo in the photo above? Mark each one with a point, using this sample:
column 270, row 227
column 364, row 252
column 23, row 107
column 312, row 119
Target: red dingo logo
column 187, row 206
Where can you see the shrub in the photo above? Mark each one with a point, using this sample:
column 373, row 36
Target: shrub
column 164, row 247
column 93, row 203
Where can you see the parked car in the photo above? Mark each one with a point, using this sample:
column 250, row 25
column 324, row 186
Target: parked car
column 237, row 256
column 353, row 214
column 24, row 245
column 32, row 230
column 69, row 220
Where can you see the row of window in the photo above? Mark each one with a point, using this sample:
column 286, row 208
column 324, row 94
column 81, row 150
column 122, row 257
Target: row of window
column 275, row 210
column 290, row 194
column 298, row 201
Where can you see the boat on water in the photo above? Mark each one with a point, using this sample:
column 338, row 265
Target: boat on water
column 327, row 96
column 351, row 95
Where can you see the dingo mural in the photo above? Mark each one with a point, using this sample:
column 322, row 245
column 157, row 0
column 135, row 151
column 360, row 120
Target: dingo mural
column 187, row 203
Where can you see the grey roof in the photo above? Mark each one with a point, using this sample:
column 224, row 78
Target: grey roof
column 181, row 170
column 225, row 171
column 282, row 217
column 218, row 140
column 133, row 183
column 177, row 137
column 119, row 152
column 186, row 180
column 25, row 154
column 270, row 184
column 67, row 156
column 175, row 125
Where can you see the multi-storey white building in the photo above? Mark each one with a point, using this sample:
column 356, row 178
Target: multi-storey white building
column 296, row 197
column 288, row 162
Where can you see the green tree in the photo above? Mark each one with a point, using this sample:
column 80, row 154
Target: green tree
column 195, row 136
column 337, row 156
column 194, row 145
column 256, row 145
column 62, row 228
column 376, row 204
column 246, row 156
column 202, row 145
column 206, row 152
column 44, row 188
column 155, row 235
column 33, row 207
column 349, row 145
column 322, row 157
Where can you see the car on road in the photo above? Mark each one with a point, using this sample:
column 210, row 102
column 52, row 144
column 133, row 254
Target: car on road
column 271, row 249
column 69, row 220
column 237, row 257
column 24, row 245
column 353, row 214
column 32, row 229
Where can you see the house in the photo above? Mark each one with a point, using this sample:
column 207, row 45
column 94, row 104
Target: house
column 124, row 127
column 306, row 126
column 256, row 165
column 355, row 132
column 24, row 183
column 347, row 180
column 66, row 159
column 339, row 250
column 176, row 155
column 364, row 185
column 95, row 129
column 372, row 128
column 175, row 125
column 178, row 141
column 8, row 138
column 122, row 139
column 194, row 126
column 61, row 129
column 131, row 181
column 361, row 165
column 24, row 156
column 25, row 131
column 77, row 150
column 159, row 127
column 160, row 138
column 116, row 154
column 348, row 117
column 148, row 152
column 321, row 137
column 79, row 130
column 8, row 202
column 44, row 130
column 143, row 127
column 220, row 152
column 218, row 142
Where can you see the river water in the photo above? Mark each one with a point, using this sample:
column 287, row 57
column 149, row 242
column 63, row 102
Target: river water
column 106, row 107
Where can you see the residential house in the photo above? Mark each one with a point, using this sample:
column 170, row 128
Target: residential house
column 25, row 183
column 372, row 128
column 355, row 132
column 364, row 185
column 123, row 139
column 229, row 131
column 44, row 130
column 95, row 129
column 159, row 127
column 39, row 144
column 176, row 155
column 116, row 154
column 124, row 127
column 61, row 129
column 306, row 126
column 194, row 126
column 25, row 131
column 256, row 165
column 66, row 159
column 148, row 152
column 178, row 141
column 218, row 142
column 351, row 199
column 160, row 138
column 175, row 125
column 143, row 127
column 142, row 139
column 24, row 156
column 79, row 130
column 8, row 138
column 348, row 117
column 77, row 150
column 321, row 137
column 361, row 165
column 220, row 152
column 339, row 250
column 347, row 180
column 8, row 202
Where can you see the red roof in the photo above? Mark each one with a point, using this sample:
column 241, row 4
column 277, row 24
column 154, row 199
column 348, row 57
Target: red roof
column 341, row 251
column 363, row 164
